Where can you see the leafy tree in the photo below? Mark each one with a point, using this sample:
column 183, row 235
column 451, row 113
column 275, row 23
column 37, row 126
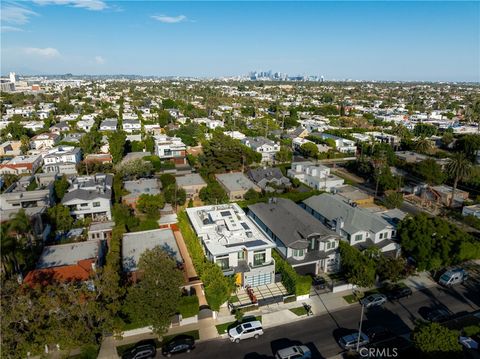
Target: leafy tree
column 447, row 139
column 9, row 179
column 390, row 268
column 134, row 169
column 167, row 180
column 284, row 155
column 149, row 143
column 359, row 269
column 430, row 171
column 423, row 145
column 175, row 195
column 116, row 142
column 217, row 287
column 14, row 130
column 153, row 300
column 434, row 242
column 61, row 186
column 251, row 194
column 223, row 153
column 424, row 130
column 60, row 217
column 150, row 204
column 90, row 142
column 436, row 341
column 458, row 168
column 213, row 193
column 393, row 200
column 309, row 149
column 124, row 215
column 469, row 145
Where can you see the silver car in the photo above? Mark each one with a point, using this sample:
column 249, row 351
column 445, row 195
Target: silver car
column 374, row 300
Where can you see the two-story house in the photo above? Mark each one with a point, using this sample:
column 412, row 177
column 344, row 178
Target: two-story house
column 22, row 165
column 62, row 159
column 170, row 148
column 231, row 240
column 308, row 245
column 90, row 197
column 360, row 227
column 44, row 140
column 267, row 148
column 85, row 124
column 314, row 175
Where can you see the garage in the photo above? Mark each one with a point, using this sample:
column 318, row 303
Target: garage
column 304, row 269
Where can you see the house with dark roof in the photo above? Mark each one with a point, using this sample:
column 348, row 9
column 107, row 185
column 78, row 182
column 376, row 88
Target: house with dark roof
column 71, row 262
column 269, row 179
column 360, row 227
column 308, row 245
column 90, row 196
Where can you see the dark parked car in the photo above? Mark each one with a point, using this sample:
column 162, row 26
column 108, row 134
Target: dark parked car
column 378, row 334
column 143, row 349
column 434, row 314
column 179, row 344
column 398, row 292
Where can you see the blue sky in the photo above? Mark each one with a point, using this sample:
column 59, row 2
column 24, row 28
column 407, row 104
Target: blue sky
column 432, row 41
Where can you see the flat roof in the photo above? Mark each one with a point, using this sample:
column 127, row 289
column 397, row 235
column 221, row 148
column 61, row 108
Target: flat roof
column 136, row 243
column 67, row 254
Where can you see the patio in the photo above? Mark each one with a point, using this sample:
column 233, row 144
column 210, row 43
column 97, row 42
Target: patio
column 263, row 293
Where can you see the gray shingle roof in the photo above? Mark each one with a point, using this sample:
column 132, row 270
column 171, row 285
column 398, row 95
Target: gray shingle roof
column 289, row 222
column 355, row 218
column 257, row 174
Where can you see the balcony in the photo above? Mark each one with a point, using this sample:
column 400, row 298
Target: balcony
column 264, row 264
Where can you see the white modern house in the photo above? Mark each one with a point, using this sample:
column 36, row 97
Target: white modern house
column 264, row 146
column 209, row 122
column 85, row 124
column 473, row 210
column 314, row 175
column 62, row 159
column 170, row 148
column 357, row 225
column 342, row 145
column 89, row 197
column 232, row 241
column 235, row 135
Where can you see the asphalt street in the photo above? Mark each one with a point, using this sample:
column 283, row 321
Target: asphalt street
column 319, row 333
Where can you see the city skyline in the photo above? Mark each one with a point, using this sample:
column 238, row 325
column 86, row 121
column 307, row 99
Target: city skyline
column 380, row 41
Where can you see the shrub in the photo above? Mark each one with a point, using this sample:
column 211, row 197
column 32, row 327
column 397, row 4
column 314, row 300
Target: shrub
column 293, row 282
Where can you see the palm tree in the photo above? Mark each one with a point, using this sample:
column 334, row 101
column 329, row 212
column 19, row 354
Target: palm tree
column 458, row 168
column 423, row 145
column 20, row 224
column 12, row 256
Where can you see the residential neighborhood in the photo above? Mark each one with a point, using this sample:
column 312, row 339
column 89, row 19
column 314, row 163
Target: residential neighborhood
column 182, row 202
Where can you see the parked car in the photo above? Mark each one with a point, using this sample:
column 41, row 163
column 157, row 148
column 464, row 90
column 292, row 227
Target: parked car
column 398, row 292
column 246, row 330
column 319, row 282
column 373, row 300
column 179, row 344
column 453, row 276
column 141, row 350
column 294, row 352
column 378, row 334
column 350, row 341
column 434, row 314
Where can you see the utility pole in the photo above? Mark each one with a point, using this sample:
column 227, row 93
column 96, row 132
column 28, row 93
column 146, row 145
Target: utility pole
column 360, row 329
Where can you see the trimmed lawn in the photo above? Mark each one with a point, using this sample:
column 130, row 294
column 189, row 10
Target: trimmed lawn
column 223, row 328
column 299, row 311
column 350, row 299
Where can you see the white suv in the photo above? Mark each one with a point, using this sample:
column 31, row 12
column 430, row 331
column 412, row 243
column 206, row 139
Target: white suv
column 246, row 330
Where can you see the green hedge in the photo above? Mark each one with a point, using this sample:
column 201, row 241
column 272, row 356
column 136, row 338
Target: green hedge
column 188, row 306
column 293, row 282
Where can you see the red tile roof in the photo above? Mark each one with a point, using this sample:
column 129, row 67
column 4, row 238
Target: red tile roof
column 79, row 272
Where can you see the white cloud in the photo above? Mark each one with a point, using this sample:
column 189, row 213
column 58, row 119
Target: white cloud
column 99, row 60
column 48, row 52
column 169, row 19
column 94, row 5
column 10, row 29
column 15, row 14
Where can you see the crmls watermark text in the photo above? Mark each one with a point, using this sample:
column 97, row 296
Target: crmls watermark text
column 378, row 352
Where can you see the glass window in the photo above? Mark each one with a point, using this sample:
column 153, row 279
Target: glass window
column 96, row 204
column 84, row 205
column 259, row 257
column 359, row 237
column 298, row 252
column 241, row 255
column 222, row 262
column 381, row 235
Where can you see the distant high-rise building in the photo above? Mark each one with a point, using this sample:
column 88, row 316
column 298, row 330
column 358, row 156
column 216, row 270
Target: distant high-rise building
column 321, row 78
column 13, row 77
